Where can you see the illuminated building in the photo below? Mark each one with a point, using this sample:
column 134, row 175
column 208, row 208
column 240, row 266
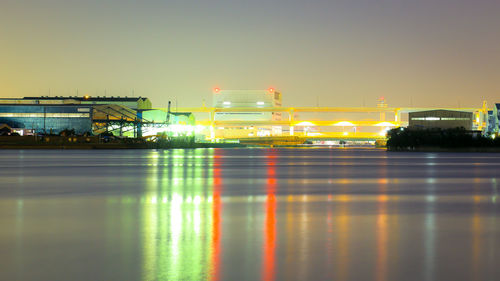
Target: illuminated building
column 246, row 99
column 175, row 124
column 46, row 118
column 493, row 119
column 443, row 119
column 51, row 115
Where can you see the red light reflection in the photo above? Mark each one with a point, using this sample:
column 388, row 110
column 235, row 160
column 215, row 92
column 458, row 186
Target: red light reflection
column 216, row 219
column 268, row 266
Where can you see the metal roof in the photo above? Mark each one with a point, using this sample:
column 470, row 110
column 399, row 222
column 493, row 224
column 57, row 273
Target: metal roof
column 89, row 98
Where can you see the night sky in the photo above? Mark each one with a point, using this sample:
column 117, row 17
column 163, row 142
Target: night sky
column 335, row 53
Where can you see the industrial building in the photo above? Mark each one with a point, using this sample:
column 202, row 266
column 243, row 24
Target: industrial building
column 246, row 99
column 51, row 115
column 238, row 105
column 493, row 120
column 46, row 118
column 443, row 119
column 135, row 103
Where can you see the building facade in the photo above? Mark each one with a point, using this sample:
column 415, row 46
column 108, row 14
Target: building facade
column 246, row 99
column 51, row 115
column 47, row 118
column 443, row 119
column 493, row 119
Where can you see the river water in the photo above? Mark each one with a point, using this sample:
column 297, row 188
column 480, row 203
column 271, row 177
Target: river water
column 249, row 214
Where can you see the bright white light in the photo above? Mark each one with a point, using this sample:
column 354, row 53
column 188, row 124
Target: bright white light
column 432, row 118
column 385, row 124
column 305, row 123
column 227, row 103
column 176, row 199
column 314, row 134
column 344, row 123
column 260, row 103
column 177, row 130
column 263, row 133
column 345, row 133
column 199, row 128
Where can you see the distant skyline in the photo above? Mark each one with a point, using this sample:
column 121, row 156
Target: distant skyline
column 335, row 53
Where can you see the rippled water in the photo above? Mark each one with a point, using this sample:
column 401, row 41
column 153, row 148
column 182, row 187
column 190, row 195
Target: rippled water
column 249, row 214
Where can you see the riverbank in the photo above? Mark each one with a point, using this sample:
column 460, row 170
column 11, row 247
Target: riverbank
column 440, row 140
column 446, row 149
column 96, row 142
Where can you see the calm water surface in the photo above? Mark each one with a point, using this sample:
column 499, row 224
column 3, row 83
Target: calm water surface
column 249, row 214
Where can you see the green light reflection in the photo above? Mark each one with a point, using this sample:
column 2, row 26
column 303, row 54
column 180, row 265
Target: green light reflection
column 177, row 216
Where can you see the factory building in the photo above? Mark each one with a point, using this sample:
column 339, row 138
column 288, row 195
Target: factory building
column 51, row 115
column 135, row 103
column 443, row 119
column 239, row 105
column 46, row 118
column 493, row 120
column 246, row 99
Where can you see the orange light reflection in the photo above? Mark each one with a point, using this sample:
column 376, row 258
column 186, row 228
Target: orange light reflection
column 216, row 220
column 268, row 266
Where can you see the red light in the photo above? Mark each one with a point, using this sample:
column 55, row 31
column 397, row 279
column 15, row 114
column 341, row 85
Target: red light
column 270, row 90
column 216, row 90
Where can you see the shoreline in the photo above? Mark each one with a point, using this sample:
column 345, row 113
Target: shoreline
column 445, row 149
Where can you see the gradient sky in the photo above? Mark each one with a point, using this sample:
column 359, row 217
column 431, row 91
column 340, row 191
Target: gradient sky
column 335, row 53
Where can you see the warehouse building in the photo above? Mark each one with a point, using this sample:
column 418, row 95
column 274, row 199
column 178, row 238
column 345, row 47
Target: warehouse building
column 46, row 118
column 443, row 119
column 493, row 120
column 136, row 103
column 51, row 115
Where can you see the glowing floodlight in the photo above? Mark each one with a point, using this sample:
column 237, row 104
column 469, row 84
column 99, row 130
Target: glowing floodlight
column 344, row 123
column 385, row 124
column 216, row 90
column 305, row 123
column 270, row 90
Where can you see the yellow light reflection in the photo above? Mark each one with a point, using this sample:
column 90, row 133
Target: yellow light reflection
column 177, row 229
